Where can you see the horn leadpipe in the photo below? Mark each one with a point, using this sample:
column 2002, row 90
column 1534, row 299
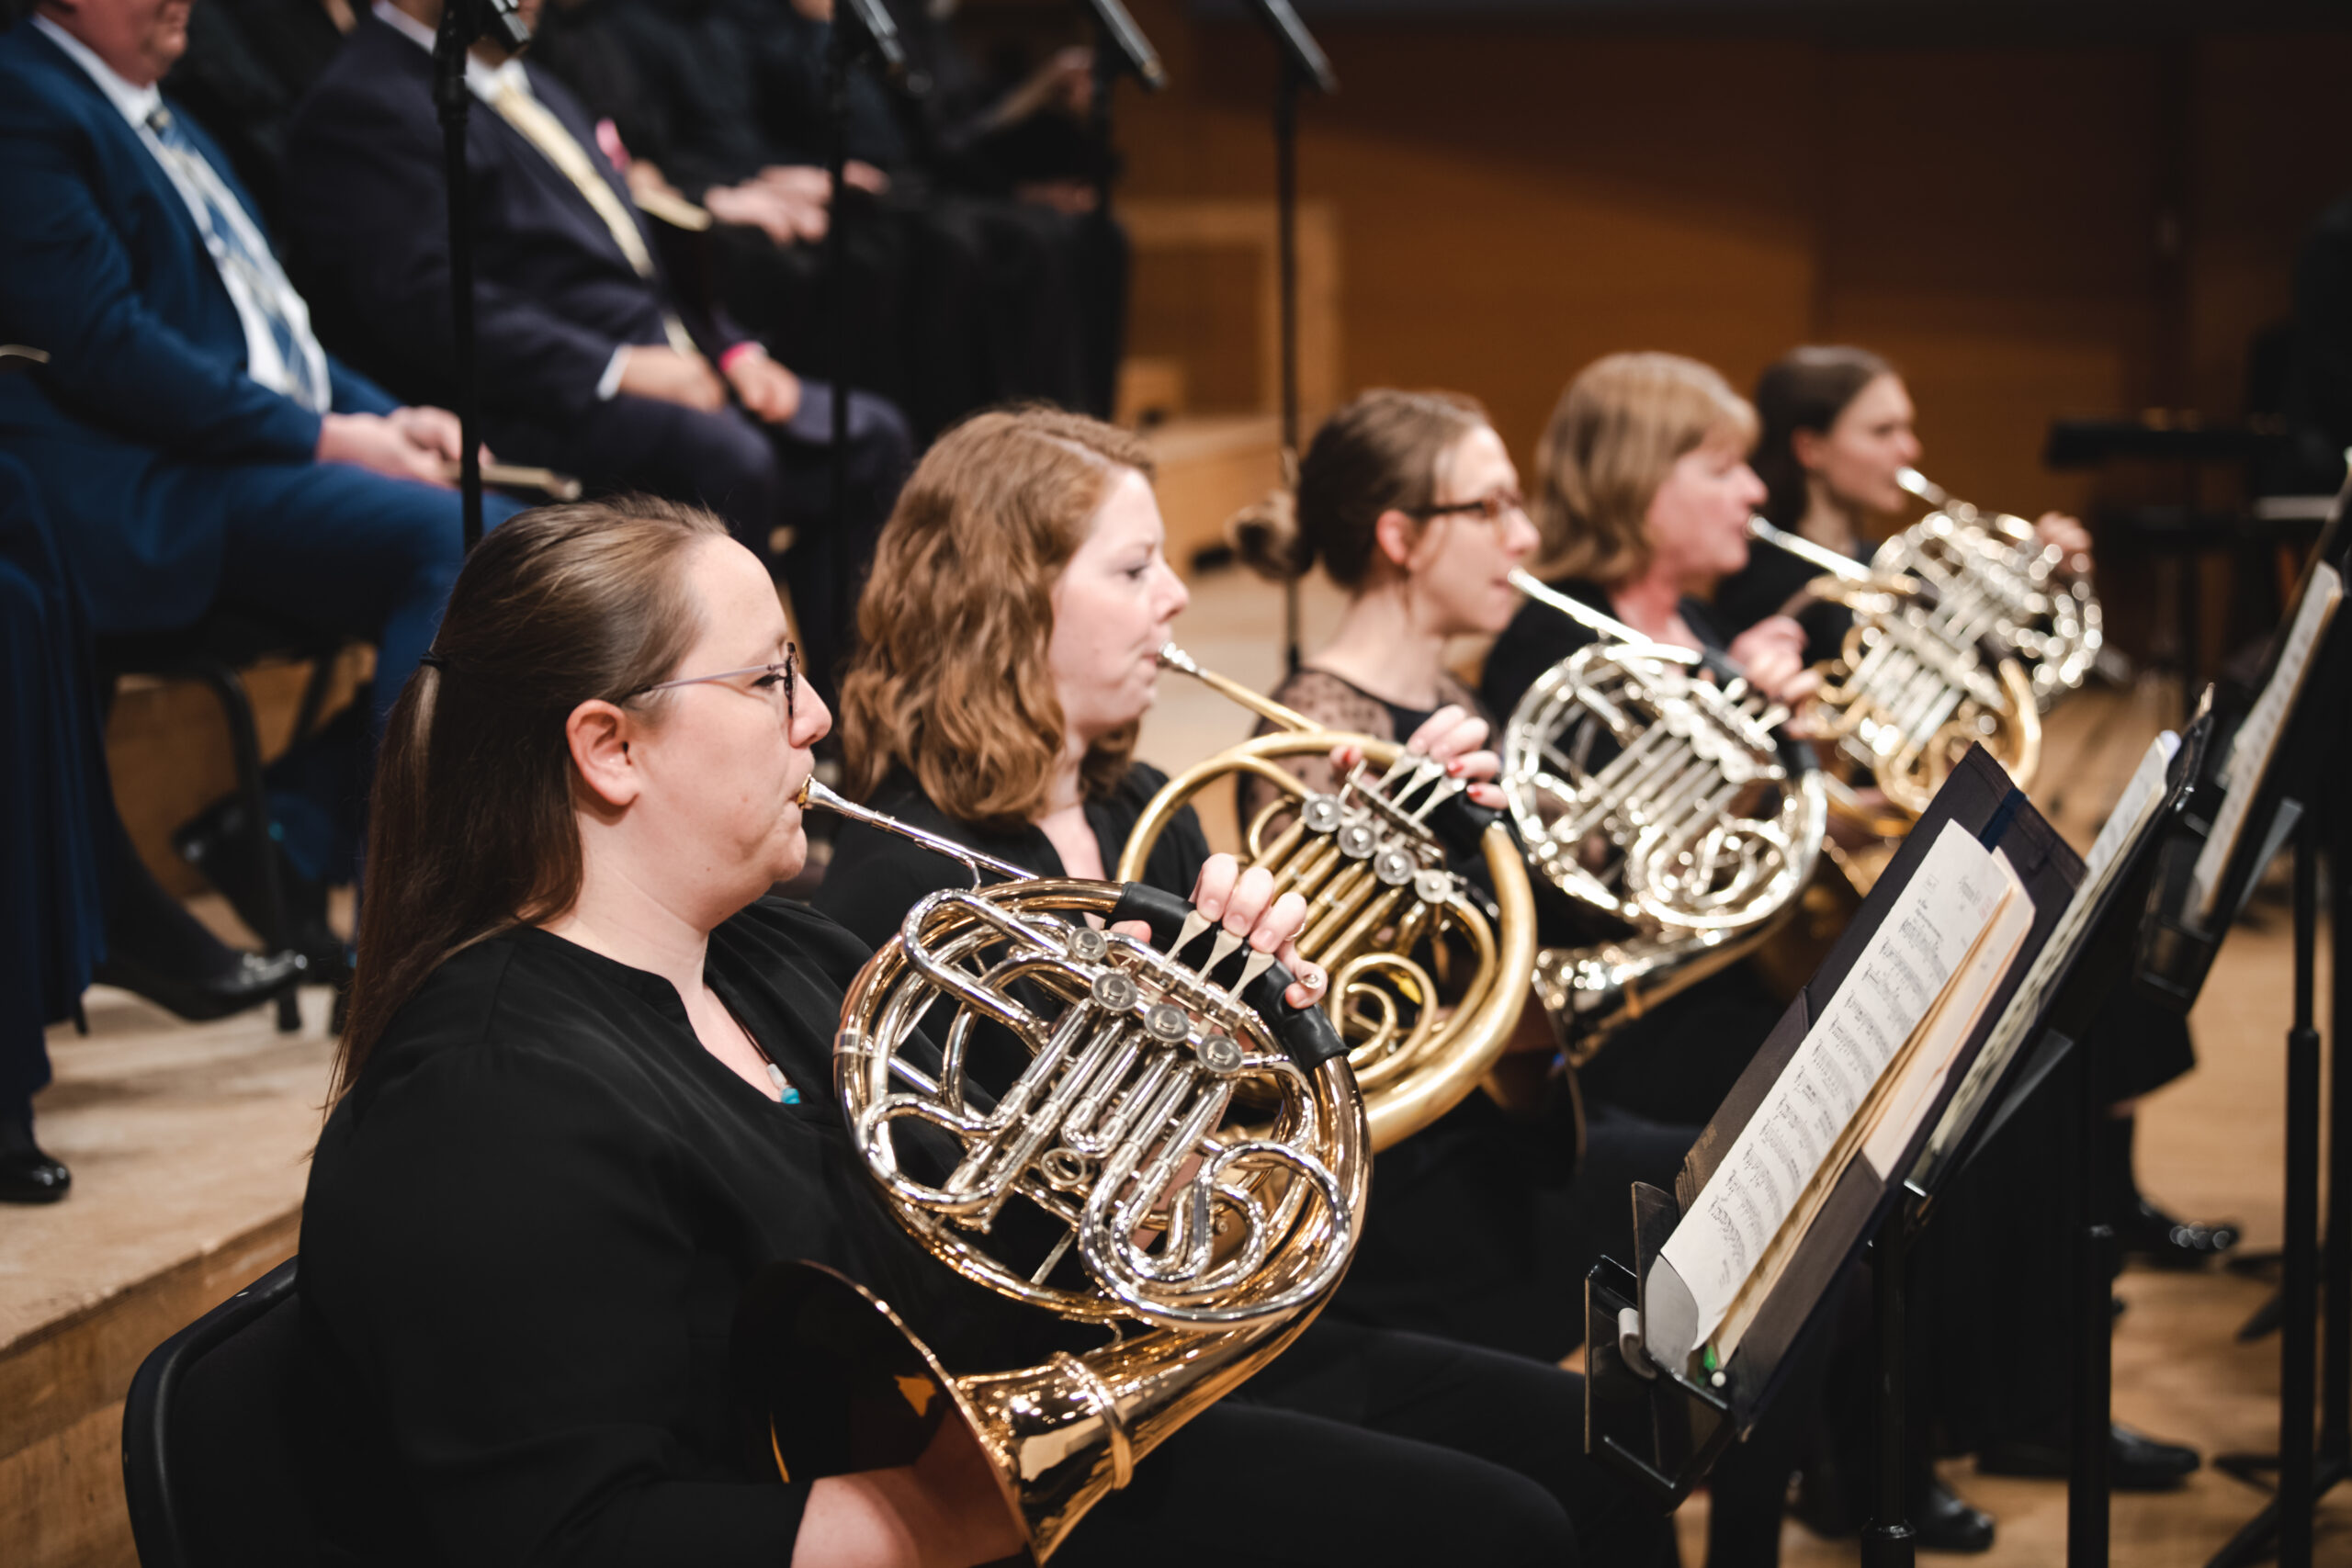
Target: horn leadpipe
column 1915, row 483
column 814, row 793
column 1594, row 620
column 1265, row 707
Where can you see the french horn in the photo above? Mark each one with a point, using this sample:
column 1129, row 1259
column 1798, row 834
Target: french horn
column 1426, row 983
column 1111, row 1180
column 1652, row 796
column 1918, row 679
column 1991, row 575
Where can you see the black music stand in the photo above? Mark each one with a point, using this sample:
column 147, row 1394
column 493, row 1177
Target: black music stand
column 1665, row 1428
column 463, row 21
column 2177, row 949
column 1303, row 65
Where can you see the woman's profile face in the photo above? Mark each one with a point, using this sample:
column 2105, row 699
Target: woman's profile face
column 1114, row 605
column 1697, row 523
column 1462, row 562
column 722, row 764
column 1856, row 459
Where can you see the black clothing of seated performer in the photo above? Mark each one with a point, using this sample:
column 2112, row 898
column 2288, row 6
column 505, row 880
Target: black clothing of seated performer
column 567, row 283
column 542, row 1191
column 1676, row 1062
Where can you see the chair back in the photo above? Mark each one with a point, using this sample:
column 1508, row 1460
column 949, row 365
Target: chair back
column 210, row 1463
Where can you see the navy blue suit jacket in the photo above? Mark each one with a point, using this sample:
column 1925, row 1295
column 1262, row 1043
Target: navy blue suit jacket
column 101, row 264
column 555, row 295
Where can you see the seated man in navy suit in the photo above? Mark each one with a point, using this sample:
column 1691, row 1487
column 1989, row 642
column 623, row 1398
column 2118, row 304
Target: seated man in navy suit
column 591, row 363
column 190, row 440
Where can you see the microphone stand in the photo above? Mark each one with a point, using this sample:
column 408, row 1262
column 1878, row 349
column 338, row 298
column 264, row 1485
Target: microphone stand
column 461, row 23
column 1303, row 63
column 862, row 29
column 1120, row 48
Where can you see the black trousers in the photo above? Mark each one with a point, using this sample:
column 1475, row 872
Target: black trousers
column 759, row 478
column 1360, row 1447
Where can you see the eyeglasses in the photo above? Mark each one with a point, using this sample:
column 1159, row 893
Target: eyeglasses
column 1491, row 508
column 783, row 673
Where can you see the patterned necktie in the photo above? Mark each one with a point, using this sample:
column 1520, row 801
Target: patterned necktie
column 539, row 127
column 236, row 250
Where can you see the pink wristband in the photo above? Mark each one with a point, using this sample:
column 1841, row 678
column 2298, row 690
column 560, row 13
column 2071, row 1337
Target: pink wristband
column 727, row 360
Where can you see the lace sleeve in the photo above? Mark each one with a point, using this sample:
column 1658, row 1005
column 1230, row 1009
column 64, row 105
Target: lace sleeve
column 1330, row 703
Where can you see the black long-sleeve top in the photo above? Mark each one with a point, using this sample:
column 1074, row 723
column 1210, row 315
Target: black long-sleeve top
column 876, row 877
column 1764, row 588
column 526, row 1230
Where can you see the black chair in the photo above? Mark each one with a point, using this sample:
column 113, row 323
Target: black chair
column 213, row 651
column 209, row 1462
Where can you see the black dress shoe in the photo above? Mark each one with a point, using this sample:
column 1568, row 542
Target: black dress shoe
column 1945, row 1521
column 253, row 979
column 219, row 844
column 27, row 1175
column 2135, row 1462
column 2155, row 1236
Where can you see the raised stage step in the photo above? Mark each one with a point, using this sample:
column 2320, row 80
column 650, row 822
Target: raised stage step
column 188, row 1145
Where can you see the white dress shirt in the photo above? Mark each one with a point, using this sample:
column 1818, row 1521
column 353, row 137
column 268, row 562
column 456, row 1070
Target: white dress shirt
column 201, row 187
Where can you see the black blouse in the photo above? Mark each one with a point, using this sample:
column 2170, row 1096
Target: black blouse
column 1763, row 588
column 1540, row 637
column 524, row 1237
column 876, row 877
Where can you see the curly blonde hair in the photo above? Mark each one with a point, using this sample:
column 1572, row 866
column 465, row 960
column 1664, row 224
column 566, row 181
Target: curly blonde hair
column 1617, row 433
column 950, row 679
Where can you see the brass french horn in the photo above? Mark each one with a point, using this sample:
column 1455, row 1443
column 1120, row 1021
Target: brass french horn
column 1652, row 796
column 1111, row 1180
column 1426, row 983
column 1991, row 575
column 1920, row 680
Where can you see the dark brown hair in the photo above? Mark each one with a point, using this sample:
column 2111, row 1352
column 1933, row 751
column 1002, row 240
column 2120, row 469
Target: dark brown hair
column 470, row 828
column 1619, row 429
column 1378, row 454
column 950, row 680
column 1807, row 389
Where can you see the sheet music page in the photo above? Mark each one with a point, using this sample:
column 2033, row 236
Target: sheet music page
column 2250, row 751
column 2143, row 799
column 2147, row 782
column 1923, row 940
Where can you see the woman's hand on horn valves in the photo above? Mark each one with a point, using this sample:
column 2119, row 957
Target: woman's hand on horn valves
column 1454, row 736
column 1243, row 903
column 1771, row 654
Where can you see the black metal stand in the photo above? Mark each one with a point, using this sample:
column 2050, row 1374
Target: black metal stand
column 2094, row 1329
column 450, row 95
column 1303, row 65
column 1888, row 1540
column 2306, row 1473
column 1120, row 50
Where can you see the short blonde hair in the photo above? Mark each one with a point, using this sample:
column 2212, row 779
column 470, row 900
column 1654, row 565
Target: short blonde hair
column 1618, row 430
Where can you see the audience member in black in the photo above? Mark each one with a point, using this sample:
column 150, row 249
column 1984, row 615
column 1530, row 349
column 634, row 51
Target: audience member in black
column 956, row 301
column 81, row 904
column 587, row 1073
column 194, row 445
column 1838, row 427
column 590, row 362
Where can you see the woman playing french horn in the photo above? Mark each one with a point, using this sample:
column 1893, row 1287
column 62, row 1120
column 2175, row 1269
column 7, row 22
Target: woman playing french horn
column 1011, row 629
column 1642, row 493
column 585, row 1097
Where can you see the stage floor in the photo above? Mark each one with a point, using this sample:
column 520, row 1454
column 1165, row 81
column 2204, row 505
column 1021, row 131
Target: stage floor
column 187, row 1145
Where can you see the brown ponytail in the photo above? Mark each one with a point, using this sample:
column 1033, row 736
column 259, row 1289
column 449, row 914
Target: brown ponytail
column 470, row 828
column 1378, row 454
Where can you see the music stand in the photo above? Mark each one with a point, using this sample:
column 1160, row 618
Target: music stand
column 2259, row 794
column 1664, row 1426
column 1303, row 65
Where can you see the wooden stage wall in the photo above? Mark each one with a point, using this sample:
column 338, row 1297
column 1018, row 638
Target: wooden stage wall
column 2057, row 225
